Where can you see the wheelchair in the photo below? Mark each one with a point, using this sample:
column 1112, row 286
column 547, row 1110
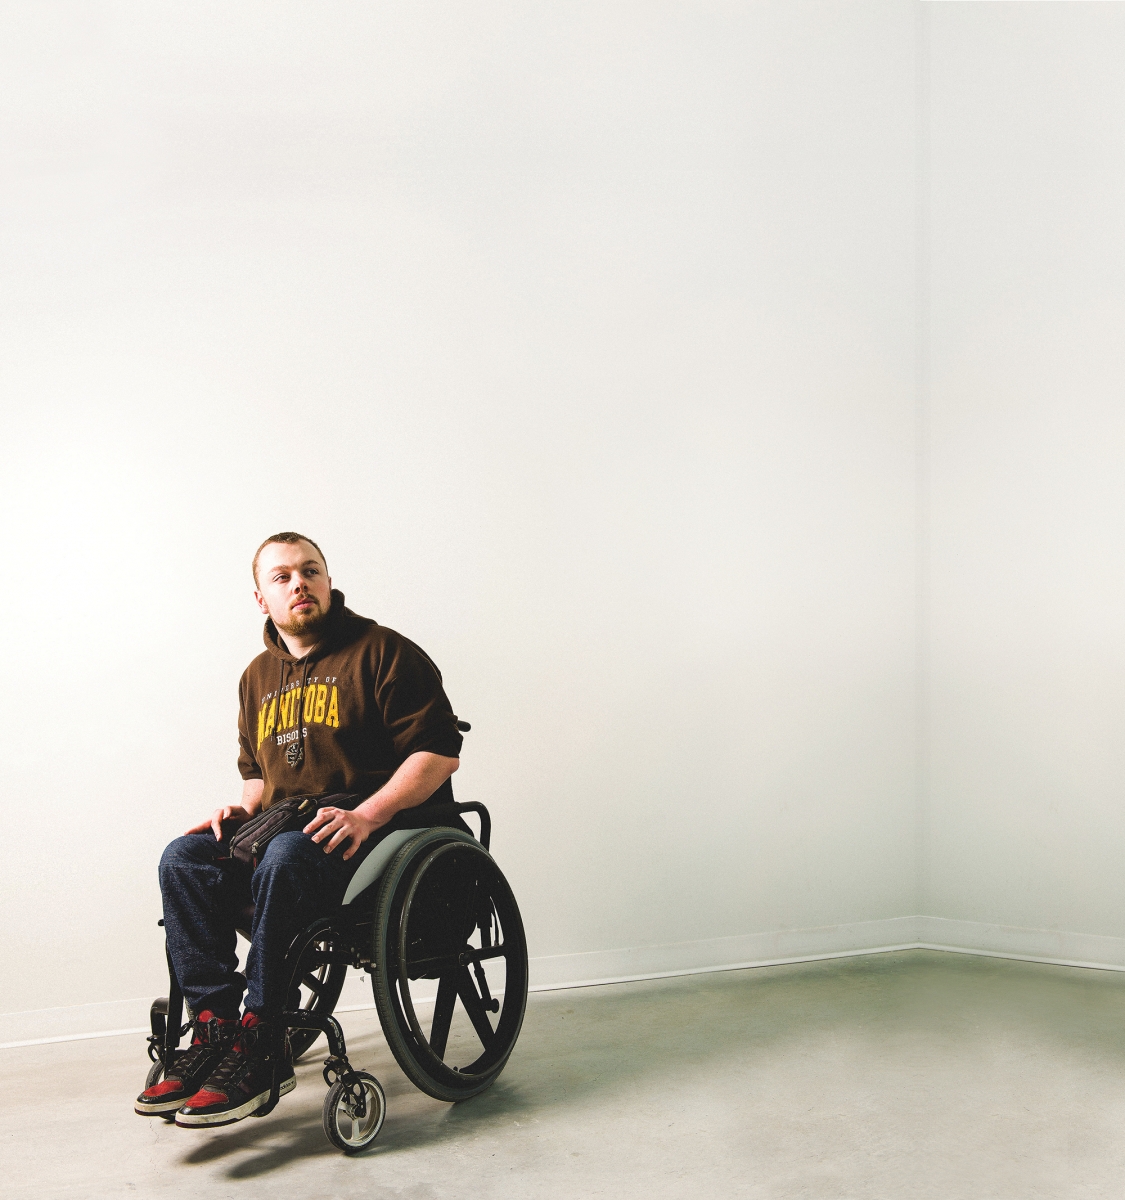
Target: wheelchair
column 427, row 904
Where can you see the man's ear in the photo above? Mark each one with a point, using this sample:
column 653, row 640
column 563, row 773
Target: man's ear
column 261, row 602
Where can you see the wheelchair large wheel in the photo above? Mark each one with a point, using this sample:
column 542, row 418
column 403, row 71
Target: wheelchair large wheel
column 314, row 986
column 446, row 913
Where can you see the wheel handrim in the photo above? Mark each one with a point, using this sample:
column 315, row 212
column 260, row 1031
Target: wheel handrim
column 472, row 901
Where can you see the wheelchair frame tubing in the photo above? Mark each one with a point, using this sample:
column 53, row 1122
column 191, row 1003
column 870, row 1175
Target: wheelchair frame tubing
column 174, row 1017
column 299, row 1019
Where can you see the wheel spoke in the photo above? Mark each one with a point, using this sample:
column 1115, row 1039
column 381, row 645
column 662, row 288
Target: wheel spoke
column 474, row 1006
column 313, row 982
column 443, row 1013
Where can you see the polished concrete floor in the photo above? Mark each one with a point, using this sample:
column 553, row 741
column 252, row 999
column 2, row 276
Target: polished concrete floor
column 916, row 1074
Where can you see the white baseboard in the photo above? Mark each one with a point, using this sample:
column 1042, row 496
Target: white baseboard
column 1059, row 947
column 555, row 972
column 721, row 954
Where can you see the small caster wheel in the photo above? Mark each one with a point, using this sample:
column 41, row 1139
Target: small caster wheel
column 353, row 1114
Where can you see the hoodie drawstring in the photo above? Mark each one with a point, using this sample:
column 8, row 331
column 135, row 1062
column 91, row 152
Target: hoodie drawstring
column 295, row 751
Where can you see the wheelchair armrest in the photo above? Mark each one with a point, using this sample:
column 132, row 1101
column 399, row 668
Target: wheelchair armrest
column 401, row 829
column 428, row 812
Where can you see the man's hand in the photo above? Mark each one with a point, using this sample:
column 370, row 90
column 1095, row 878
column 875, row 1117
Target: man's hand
column 232, row 812
column 417, row 778
column 331, row 827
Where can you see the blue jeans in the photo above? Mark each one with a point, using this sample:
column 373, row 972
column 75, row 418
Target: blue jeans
column 205, row 892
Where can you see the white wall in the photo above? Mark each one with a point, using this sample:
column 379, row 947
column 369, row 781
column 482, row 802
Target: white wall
column 1027, row 421
column 581, row 338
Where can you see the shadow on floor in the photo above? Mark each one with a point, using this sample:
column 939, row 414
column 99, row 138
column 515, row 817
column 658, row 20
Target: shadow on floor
column 603, row 1044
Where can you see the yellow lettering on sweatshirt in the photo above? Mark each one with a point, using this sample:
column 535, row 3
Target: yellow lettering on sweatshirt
column 321, row 705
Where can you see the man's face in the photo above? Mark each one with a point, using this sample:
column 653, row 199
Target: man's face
column 293, row 586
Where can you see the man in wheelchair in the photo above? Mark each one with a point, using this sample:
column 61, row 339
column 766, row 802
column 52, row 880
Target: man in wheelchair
column 338, row 707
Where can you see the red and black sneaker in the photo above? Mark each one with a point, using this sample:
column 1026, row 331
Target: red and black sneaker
column 209, row 1044
column 241, row 1083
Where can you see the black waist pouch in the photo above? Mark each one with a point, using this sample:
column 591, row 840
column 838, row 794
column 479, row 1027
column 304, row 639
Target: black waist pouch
column 250, row 840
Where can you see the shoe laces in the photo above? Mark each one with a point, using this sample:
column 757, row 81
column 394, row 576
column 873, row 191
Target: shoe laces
column 211, row 1034
column 250, row 1047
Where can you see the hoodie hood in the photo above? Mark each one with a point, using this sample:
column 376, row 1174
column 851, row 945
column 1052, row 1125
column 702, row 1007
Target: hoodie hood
column 345, row 716
column 340, row 623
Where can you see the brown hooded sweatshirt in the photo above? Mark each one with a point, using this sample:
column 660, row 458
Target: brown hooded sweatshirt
column 357, row 705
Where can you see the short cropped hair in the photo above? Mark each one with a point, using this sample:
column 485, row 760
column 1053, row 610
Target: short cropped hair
column 289, row 539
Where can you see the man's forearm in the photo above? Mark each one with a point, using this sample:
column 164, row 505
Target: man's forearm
column 252, row 791
column 416, row 780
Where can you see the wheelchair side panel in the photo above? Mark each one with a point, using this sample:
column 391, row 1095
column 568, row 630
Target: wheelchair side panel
column 376, row 862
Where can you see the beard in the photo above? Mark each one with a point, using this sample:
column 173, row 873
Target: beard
column 302, row 624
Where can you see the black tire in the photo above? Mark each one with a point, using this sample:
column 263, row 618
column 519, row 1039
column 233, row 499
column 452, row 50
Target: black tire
column 314, row 986
column 445, row 912
column 340, row 1107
